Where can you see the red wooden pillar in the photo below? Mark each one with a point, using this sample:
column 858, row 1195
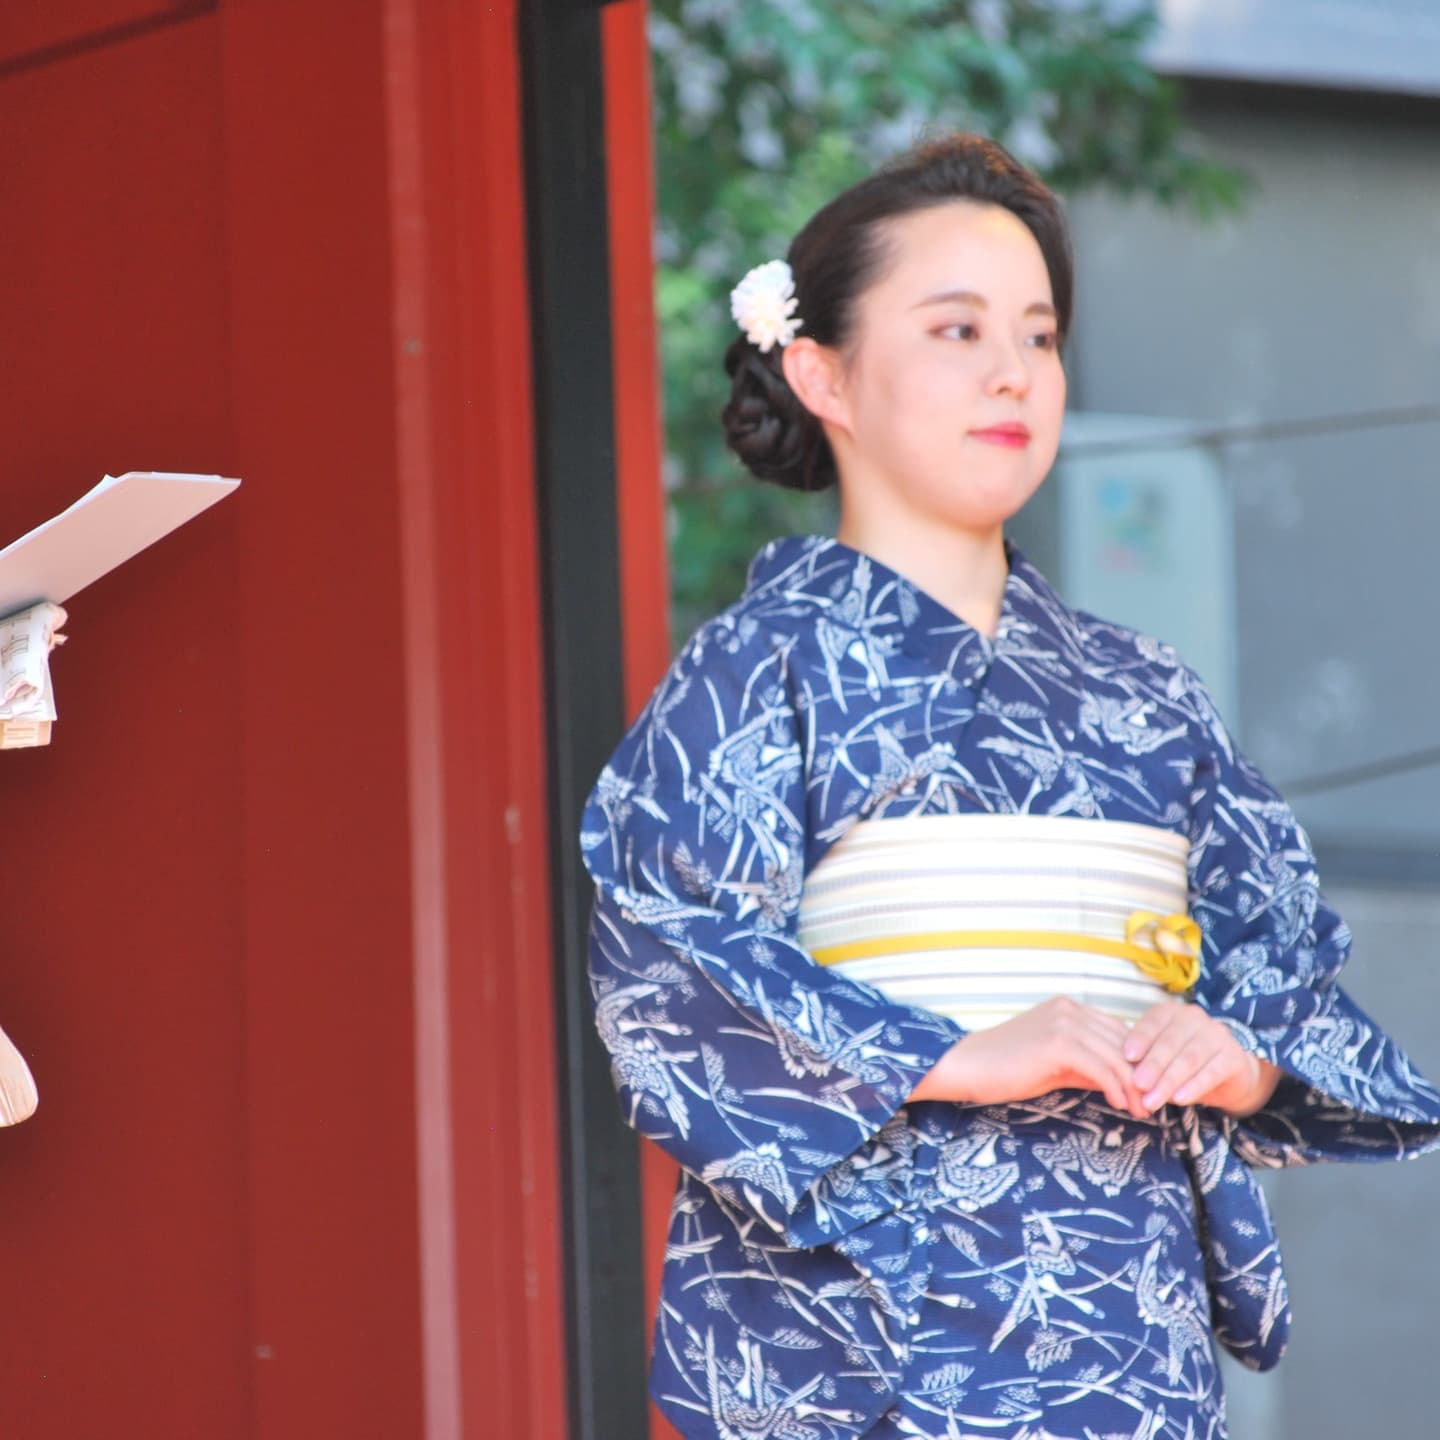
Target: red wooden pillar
column 645, row 595
column 281, row 957
column 411, row 167
column 123, row 976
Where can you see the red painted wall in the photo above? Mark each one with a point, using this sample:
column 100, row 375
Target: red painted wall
column 277, row 951
column 124, row 979
column 645, row 593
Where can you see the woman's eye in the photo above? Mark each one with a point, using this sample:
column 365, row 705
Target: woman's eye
column 965, row 330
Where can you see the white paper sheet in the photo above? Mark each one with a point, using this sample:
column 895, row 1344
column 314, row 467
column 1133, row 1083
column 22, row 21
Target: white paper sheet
column 104, row 528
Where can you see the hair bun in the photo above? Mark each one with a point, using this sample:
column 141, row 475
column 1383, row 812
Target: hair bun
column 765, row 424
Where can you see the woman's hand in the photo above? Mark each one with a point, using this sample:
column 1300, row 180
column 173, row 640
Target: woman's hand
column 1056, row 1044
column 1175, row 1051
column 1182, row 1053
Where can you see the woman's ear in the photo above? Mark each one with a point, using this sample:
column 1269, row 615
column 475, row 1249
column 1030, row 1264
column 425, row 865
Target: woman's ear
column 813, row 371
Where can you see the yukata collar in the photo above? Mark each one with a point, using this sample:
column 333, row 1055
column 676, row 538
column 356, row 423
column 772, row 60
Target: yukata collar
column 1035, row 622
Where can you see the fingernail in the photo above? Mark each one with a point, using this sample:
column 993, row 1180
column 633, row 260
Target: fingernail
column 1152, row 1099
column 1144, row 1077
column 1132, row 1050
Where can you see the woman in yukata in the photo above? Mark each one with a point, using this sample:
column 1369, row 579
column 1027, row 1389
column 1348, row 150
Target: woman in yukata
column 941, row 931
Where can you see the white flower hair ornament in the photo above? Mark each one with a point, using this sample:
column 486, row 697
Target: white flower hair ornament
column 763, row 305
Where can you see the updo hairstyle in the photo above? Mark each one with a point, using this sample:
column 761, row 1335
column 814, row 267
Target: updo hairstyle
column 838, row 254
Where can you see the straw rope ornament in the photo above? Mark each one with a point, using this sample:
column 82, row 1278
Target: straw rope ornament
column 763, row 305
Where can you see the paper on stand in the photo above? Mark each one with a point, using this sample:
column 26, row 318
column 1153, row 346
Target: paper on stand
column 120, row 517
column 102, row 529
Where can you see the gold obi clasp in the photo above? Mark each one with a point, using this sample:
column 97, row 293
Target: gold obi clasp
column 1165, row 947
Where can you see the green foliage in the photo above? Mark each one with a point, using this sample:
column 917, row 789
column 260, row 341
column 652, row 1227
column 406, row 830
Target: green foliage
column 765, row 109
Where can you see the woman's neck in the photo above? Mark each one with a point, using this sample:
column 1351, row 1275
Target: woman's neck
column 964, row 570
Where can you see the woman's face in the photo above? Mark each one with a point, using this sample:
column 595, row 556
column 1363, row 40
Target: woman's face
column 957, row 338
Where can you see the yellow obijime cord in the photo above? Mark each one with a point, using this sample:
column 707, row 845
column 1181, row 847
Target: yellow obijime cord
column 1164, row 947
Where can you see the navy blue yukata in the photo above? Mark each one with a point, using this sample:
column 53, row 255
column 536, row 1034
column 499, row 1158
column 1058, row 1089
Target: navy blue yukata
column 841, row 1263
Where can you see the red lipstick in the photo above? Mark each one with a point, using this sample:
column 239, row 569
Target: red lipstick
column 1012, row 433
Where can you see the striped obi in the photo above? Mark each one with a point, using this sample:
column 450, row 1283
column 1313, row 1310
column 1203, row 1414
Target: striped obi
column 981, row 916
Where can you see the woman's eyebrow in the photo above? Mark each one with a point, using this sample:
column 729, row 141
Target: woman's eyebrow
column 969, row 297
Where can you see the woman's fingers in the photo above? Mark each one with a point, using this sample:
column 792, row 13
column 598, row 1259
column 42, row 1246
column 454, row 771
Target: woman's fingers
column 1091, row 1044
column 1108, row 1029
column 1155, row 1037
column 1195, row 1054
column 1109, row 1034
column 1175, row 1051
column 1142, row 1032
column 1062, row 1042
column 1214, row 1073
column 1124, row 1093
column 1185, row 1055
column 1111, row 1024
column 1097, row 1061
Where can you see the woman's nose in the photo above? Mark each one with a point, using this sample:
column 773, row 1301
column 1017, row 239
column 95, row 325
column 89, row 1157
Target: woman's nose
column 1009, row 374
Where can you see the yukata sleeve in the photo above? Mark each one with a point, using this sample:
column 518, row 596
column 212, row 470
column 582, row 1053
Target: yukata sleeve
column 1273, row 949
column 775, row 1081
